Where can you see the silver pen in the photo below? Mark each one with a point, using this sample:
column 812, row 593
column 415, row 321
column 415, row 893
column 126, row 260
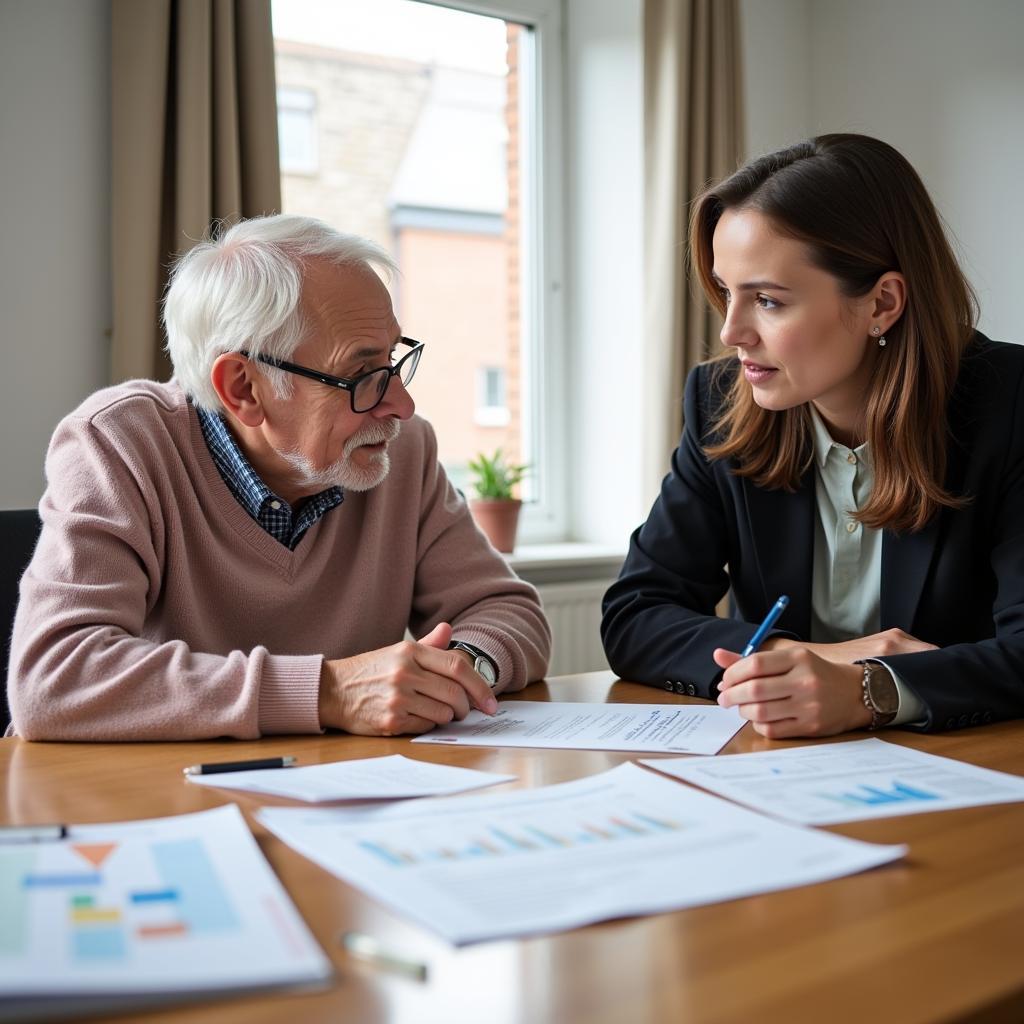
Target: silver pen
column 368, row 949
column 32, row 833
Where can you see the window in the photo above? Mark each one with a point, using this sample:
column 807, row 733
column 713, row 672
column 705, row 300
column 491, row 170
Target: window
column 439, row 133
column 491, row 410
column 296, row 130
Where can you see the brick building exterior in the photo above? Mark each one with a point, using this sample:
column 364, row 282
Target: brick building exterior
column 423, row 160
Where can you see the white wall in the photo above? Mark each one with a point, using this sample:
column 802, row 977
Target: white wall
column 55, row 212
column 604, row 257
column 776, row 43
column 942, row 80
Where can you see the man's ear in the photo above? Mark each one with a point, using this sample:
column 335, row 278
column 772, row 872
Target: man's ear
column 239, row 388
column 890, row 299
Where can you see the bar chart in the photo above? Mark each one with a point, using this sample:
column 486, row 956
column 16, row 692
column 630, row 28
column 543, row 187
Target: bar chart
column 523, row 837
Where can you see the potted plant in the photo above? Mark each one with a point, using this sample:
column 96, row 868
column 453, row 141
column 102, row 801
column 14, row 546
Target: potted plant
column 495, row 508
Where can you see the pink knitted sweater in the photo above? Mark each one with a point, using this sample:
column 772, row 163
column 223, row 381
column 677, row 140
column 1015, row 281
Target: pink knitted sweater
column 155, row 608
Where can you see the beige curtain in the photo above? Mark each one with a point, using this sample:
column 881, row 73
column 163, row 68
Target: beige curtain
column 194, row 141
column 693, row 130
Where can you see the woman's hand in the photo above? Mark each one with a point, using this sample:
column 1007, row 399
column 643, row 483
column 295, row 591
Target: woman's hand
column 793, row 691
column 878, row 645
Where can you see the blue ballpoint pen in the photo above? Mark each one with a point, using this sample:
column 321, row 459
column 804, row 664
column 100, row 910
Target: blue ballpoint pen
column 769, row 620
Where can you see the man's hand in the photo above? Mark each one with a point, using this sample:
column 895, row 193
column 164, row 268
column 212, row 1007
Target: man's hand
column 792, row 692
column 878, row 645
column 407, row 688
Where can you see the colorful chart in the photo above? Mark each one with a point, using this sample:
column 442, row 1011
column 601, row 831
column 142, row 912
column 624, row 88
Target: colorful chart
column 113, row 911
column 503, row 840
column 103, row 919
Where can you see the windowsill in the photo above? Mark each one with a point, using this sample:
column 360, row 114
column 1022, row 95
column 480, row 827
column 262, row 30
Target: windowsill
column 558, row 563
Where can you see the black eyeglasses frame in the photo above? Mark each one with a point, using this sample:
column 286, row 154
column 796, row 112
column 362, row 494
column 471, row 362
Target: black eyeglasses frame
column 350, row 384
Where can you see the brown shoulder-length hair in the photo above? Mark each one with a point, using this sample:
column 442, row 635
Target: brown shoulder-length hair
column 861, row 210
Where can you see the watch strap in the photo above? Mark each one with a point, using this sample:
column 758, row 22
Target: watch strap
column 879, row 693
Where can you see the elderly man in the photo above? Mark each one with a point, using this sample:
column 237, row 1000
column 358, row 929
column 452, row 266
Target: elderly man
column 240, row 552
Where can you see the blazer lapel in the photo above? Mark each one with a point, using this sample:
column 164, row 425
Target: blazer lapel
column 782, row 525
column 906, row 559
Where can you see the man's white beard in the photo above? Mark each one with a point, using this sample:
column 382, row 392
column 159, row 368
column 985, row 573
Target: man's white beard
column 345, row 473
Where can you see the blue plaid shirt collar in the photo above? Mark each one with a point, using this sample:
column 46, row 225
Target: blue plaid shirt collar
column 273, row 513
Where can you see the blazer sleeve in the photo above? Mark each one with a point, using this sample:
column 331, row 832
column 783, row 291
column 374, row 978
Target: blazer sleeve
column 659, row 625
column 967, row 684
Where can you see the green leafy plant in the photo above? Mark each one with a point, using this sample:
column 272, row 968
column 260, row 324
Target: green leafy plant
column 493, row 477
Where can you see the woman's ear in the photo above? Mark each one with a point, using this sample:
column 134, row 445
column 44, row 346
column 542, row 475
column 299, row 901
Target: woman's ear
column 237, row 386
column 890, row 299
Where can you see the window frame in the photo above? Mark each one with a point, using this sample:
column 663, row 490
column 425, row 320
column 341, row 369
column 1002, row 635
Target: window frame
column 545, row 517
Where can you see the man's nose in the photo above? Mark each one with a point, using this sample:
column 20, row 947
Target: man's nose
column 397, row 401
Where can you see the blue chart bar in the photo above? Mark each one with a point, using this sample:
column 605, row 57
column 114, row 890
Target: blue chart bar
column 157, row 896
column 185, row 868
column 657, row 823
column 65, row 881
column 512, row 842
column 105, row 943
column 383, row 852
column 872, row 796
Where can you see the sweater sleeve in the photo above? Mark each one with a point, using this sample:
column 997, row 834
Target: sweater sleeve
column 82, row 667
column 462, row 580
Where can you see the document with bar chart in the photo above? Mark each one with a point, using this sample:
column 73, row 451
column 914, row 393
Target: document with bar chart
column 142, row 911
column 540, row 860
column 836, row 782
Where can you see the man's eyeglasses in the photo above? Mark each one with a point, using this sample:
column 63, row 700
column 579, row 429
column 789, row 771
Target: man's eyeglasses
column 367, row 390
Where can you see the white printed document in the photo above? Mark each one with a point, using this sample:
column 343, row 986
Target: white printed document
column 835, row 782
column 650, row 728
column 624, row 842
column 143, row 912
column 368, row 778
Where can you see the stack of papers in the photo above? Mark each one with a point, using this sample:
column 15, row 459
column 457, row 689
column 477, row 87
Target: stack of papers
column 540, row 860
column 143, row 912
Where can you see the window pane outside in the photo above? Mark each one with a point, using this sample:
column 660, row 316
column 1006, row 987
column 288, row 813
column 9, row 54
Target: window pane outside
column 417, row 148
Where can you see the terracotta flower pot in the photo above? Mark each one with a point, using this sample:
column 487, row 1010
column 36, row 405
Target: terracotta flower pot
column 498, row 520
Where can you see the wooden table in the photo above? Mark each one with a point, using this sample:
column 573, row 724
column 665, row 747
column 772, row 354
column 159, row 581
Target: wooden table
column 936, row 937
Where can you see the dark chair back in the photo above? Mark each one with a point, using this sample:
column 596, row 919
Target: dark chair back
column 19, row 531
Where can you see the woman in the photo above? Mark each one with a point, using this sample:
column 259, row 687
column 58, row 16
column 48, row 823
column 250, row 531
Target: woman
column 859, row 448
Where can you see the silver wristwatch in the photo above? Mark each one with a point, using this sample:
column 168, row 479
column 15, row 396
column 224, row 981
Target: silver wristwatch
column 879, row 693
column 482, row 663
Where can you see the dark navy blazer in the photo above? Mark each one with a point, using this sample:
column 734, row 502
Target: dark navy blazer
column 958, row 583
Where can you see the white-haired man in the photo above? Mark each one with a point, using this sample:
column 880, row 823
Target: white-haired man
column 240, row 551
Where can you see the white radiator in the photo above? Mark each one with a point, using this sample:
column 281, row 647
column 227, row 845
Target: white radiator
column 574, row 611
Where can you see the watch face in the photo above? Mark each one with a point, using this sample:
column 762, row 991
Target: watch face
column 486, row 669
column 882, row 691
